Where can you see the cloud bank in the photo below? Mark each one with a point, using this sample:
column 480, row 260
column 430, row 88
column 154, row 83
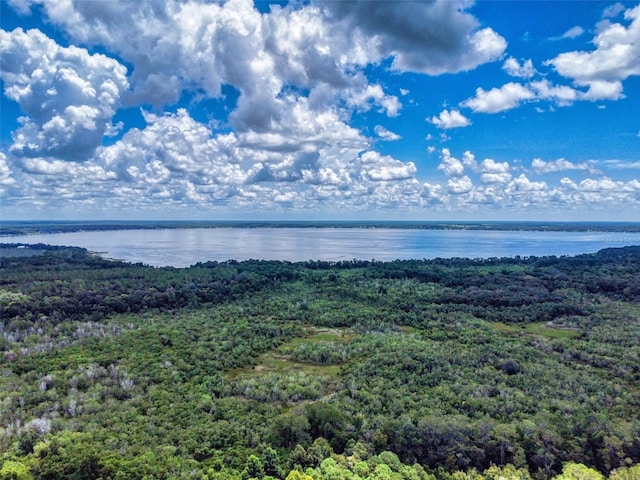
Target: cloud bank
column 284, row 89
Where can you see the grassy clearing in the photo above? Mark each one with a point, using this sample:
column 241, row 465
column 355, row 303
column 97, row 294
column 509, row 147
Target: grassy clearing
column 407, row 330
column 319, row 334
column 272, row 362
column 281, row 362
column 278, row 362
column 543, row 329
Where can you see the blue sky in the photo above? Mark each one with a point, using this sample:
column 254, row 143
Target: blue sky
column 520, row 110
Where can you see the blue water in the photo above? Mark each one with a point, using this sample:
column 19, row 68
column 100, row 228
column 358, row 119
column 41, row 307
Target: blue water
column 184, row 247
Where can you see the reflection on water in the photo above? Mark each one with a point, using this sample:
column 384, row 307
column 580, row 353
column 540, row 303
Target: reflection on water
column 184, row 247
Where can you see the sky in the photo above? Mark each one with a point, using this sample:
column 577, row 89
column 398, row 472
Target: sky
column 320, row 110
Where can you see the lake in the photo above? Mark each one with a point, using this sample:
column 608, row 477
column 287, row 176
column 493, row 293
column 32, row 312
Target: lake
column 181, row 247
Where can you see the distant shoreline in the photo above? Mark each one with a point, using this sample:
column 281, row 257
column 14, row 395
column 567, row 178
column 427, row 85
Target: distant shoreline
column 10, row 228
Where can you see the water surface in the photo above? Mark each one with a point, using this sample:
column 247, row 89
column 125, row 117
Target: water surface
column 184, row 247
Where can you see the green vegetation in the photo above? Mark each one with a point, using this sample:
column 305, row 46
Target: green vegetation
column 544, row 329
column 453, row 369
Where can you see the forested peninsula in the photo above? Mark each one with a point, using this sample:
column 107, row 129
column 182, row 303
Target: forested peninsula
column 445, row 369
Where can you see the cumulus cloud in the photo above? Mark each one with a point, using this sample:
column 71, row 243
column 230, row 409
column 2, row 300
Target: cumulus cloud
column 385, row 134
column 88, row 172
column 490, row 184
column 294, row 126
column 155, row 37
column 541, row 167
column 385, row 168
column 174, row 145
column 286, row 141
column 614, row 59
column 604, row 184
column 298, row 72
column 469, row 160
column 515, row 69
column 180, row 160
column 69, row 95
column 459, row 185
column 602, row 71
column 494, row 172
column 512, row 95
column 602, row 190
column 604, row 90
column 450, row 119
column 433, row 38
column 374, row 95
column 451, row 166
column 177, row 45
column 523, row 184
column 6, row 176
column 434, row 193
column 562, row 95
column 497, row 100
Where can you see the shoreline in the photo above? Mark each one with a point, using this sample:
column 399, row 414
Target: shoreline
column 37, row 227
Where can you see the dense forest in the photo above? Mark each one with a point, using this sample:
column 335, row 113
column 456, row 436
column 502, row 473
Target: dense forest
column 445, row 369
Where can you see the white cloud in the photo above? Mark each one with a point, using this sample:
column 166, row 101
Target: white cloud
column 494, row 172
column 294, row 125
column 602, row 191
column 614, row 59
column 469, row 160
column 176, row 45
column 178, row 160
column 489, row 165
column 434, row 193
column 174, row 146
column 167, row 43
column 604, row 90
column 513, row 68
column 495, row 177
column 6, row 176
column 299, row 72
column 451, row 166
column 88, row 172
column 385, row 134
column 573, row 32
column 433, row 38
column 562, row 95
column 69, row 95
column 459, row 185
column 450, row 119
column 523, row 184
column 385, row 168
column 541, row 167
column 373, row 94
column 496, row 100
column 604, row 184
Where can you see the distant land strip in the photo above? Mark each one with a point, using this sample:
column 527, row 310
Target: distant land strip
column 8, row 228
